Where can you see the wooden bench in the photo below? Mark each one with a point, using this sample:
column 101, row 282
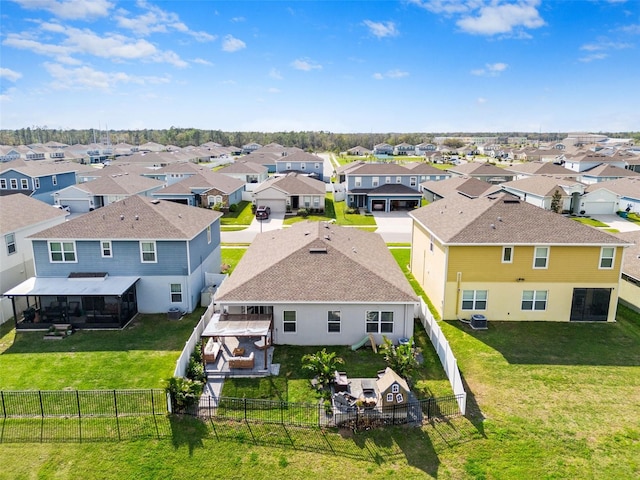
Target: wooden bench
column 211, row 351
column 241, row 362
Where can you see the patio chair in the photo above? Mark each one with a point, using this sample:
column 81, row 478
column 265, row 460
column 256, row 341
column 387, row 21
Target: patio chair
column 262, row 344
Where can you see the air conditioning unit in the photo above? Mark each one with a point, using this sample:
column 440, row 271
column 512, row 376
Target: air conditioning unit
column 479, row 322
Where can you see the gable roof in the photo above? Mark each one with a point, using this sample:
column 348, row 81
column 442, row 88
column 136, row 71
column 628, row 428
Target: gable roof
column 120, row 184
column 388, row 378
column 135, row 218
column 349, row 265
column 544, row 185
column 503, row 219
column 631, row 261
column 423, row 168
column 19, row 211
column 40, row 168
column 477, row 169
column 378, row 168
column 294, row 184
column 204, row 179
column 244, row 167
column 541, row 168
column 467, row 186
column 624, row 186
column 262, row 158
column 300, row 156
column 605, row 170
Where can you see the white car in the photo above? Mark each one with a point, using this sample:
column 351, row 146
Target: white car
column 63, row 207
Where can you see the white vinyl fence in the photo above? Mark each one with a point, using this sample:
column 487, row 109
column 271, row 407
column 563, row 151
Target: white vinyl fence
column 443, row 349
column 190, row 345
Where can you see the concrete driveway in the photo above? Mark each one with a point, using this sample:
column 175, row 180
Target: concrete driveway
column 617, row 222
column 274, row 222
column 394, row 227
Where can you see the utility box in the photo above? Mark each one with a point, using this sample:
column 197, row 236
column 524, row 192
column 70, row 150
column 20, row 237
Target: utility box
column 479, row 322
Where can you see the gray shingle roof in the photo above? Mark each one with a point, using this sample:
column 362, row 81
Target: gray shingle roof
column 625, row 186
column 19, row 211
column 477, row 169
column 502, row 219
column 541, row 168
column 294, row 184
column 470, row 187
column 631, row 262
column 204, row 179
column 300, row 156
column 280, row 267
column 542, row 185
column 244, row 167
column 119, row 185
column 605, row 170
column 136, row 218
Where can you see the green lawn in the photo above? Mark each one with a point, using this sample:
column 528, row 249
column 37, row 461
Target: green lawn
column 231, row 256
column 142, row 355
column 335, row 211
column 242, row 216
column 592, row 222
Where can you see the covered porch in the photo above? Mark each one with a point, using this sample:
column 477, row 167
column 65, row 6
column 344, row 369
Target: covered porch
column 238, row 345
column 80, row 300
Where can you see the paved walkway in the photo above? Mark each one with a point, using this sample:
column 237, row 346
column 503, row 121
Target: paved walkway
column 394, row 227
column 617, row 222
column 248, row 234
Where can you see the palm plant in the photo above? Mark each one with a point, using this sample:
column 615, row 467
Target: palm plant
column 323, row 365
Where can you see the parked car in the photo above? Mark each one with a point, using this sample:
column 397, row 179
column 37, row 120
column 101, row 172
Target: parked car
column 63, row 207
column 262, row 213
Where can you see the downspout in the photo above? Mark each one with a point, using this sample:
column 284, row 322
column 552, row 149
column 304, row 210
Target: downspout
column 458, row 282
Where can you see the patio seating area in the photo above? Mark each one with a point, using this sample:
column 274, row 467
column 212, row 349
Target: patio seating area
column 229, row 362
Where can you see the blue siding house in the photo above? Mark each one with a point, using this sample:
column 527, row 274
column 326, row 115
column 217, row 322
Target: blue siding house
column 204, row 189
column 136, row 255
column 301, row 162
column 36, row 179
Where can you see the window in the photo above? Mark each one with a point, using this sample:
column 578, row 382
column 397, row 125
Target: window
column 607, row 255
column 3, row 183
column 107, row 251
column 36, row 183
column 474, row 299
column 534, row 300
column 387, row 179
column 431, row 243
column 24, row 184
column 389, row 397
column 507, row 254
column 10, row 240
column 54, row 179
column 148, row 252
column 413, row 181
column 379, row 322
column 541, row 257
column 395, row 388
column 307, row 201
column 14, row 183
column 316, row 202
column 375, row 181
column 399, row 398
column 333, row 321
column 209, row 234
column 289, row 321
column 176, row 293
column 398, row 179
column 64, row 252
column 358, row 181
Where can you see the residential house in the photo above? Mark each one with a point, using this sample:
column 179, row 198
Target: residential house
column 266, row 159
column 620, row 195
column 629, row 292
column 452, row 187
column 539, row 190
column 586, row 161
column 36, row 179
column 427, row 172
column 301, row 162
column 107, row 189
column 151, row 147
column 506, row 259
column 529, row 169
column 404, row 148
column 606, row 172
column 425, row 148
column 21, row 216
column 136, row 255
column 250, row 147
column 359, row 151
column 8, row 153
column 289, row 193
column 482, row 171
column 323, row 285
column 383, row 149
column 205, row 189
column 250, row 173
column 382, row 186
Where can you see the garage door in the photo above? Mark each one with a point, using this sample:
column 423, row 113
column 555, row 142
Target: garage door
column 76, row 206
column 276, row 205
column 599, row 208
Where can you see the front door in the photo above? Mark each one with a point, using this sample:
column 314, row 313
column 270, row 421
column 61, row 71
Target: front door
column 590, row 304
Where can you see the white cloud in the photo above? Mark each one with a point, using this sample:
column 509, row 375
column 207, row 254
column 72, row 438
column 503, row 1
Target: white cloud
column 70, row 9
column 481, row 100
column 381, row 29
column 156, row 20
column 490, row 70
column 305, row 65
column 592, row 57
column 604, row 44
column 502, row 18
column 633, row 29
column 232, row 44
column 238, row 19
column 87, row 78
column 7, row 95
column 393, row 74
column 202, row 61
column 273, row 90
column 10, row 75
column 448, row 7
column 275, row 74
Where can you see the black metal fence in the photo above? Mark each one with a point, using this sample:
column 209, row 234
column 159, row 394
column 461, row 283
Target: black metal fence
column 82, row 403
column 317, row 415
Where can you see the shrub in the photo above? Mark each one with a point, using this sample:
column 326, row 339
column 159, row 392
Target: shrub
column 195, row 368
column 233, row 207
column 218, row 206
column 323, row 365
column 303, row 212
column 184, row 393
column 403, row 359
column 352, row 210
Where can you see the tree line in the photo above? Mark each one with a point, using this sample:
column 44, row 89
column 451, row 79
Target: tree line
column 307, row 140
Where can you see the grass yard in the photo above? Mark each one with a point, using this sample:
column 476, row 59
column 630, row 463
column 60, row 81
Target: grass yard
column 242, row 216
column 231, row 256
column 592, row 222
column 142, row 355
column 336, row 211
column 343, row 218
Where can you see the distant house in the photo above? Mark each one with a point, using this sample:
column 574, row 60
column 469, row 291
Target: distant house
column 404, row 149
column 505, row 259
column 301, row 162
column 606, row 172
column 250, row 173
column 383, row 149
column 21, row 216
column 36, row 179
column 137, row 255
column 629, row 294
column 530, row 169
column 290, row 193
column 266, row 159
column 456, row 186
column 359, row 151
column 250, row 147
column 205, row 189
column 321, row 284
column 425, row 148
column 583, row 162
column 482, row 171
column 625, row 191
column 151, row 147
column 539, row 190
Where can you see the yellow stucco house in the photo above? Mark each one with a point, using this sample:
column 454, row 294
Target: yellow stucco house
column 508, row 260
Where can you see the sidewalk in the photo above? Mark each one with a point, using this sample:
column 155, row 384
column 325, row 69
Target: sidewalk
column 247, row 235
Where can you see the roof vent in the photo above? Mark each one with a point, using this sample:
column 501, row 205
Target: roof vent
column 327, row 237
column 318, row 250
column 499, row 219
column 155, row 201
column 493, row 226
column 121, row 217
column 137, row 217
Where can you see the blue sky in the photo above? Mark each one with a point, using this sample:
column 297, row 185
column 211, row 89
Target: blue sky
column 347, row 66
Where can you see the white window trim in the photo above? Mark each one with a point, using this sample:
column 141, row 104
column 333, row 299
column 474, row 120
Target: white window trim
column 602, row 257
column 24, row 184
column 36, row 183
column 155, row 252
column 209, row 234
column 288, row 166
column 62, row 242
column 54, row 179
column 413, row 181
column 379, row 321
column 357, row 181
column 546, row 263
column 171, row 293
column 102, row 249
column 294, row 322
column 387, row 179
column 375, row 181
column 389, row 397
column 504, row 249
column 475, row 301
column 398, row 179
column 534, row 300
column 317, row 166
column 334, row 322
column 12, row 242
column 3, row 183
column 13, row 183
column 395, row 388
column 303, row 166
